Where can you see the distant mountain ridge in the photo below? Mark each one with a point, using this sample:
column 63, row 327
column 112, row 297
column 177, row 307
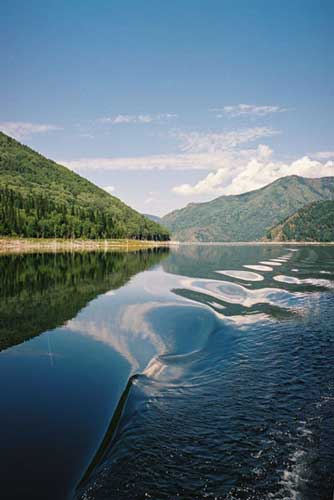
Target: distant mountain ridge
column 155, row 218
column 247, row 216
column 40, row 198
column 314, row 222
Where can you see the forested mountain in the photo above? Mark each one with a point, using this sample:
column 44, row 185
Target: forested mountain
column 315, row 222
column 39, row 198
column 247, row 216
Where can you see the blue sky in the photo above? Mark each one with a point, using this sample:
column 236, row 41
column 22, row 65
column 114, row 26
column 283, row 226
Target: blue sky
column 166, row 103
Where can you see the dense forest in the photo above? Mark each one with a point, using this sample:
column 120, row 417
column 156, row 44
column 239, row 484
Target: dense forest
column 39, row 216
column 315, row 222
column 39, row 198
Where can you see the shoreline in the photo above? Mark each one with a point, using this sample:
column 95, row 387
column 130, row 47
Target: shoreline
column 253, row 243
column 24, row 245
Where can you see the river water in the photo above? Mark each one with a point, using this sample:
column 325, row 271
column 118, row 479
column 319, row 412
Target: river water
column 202, row 372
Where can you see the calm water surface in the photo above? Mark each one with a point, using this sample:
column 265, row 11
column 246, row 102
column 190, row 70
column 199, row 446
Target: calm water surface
column 203, row 372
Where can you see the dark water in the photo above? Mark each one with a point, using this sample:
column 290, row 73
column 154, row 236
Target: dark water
column 205, row 373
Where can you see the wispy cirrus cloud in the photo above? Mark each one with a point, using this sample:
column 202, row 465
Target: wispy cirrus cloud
column 19, row 130
column 150, row 162
column 199, row 151
column 251, row 110
column 199, row 142
column 137, row 119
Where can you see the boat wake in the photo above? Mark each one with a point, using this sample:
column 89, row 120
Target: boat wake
column 228, row 403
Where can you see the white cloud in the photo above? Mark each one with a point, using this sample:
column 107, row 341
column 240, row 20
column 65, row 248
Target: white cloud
column 200, row 161
column 234, row 168
column 109, row 189
column 152, row 162
column 208, row 185
column 26, row 129
column 200, row 151
column 247, row 110
column 324, row 155
column 198, row 142
column 141, row 118
column 257, row 172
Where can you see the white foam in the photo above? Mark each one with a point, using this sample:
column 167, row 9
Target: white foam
column 258, row 267
column 270, row 263
column 242, row 275
column 234, row 293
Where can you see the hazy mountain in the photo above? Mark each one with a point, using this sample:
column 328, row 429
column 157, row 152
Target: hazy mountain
column 247, row 216
column 315, row 222
column 38, row 197
column 155, row 218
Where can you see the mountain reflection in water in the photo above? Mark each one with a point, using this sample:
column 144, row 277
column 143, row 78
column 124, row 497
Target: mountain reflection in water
column 209, row 375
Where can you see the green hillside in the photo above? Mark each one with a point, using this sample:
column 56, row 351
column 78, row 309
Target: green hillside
column 248, row 216
column 39, row 198
column 315, row 222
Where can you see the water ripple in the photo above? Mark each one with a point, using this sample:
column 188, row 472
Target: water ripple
column 242, row 406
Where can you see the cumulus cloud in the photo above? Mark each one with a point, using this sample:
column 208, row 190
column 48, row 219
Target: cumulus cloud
column 20, row 130
column 257, row 172
column 141, row 119
column 247, row 110
column 232, row 164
